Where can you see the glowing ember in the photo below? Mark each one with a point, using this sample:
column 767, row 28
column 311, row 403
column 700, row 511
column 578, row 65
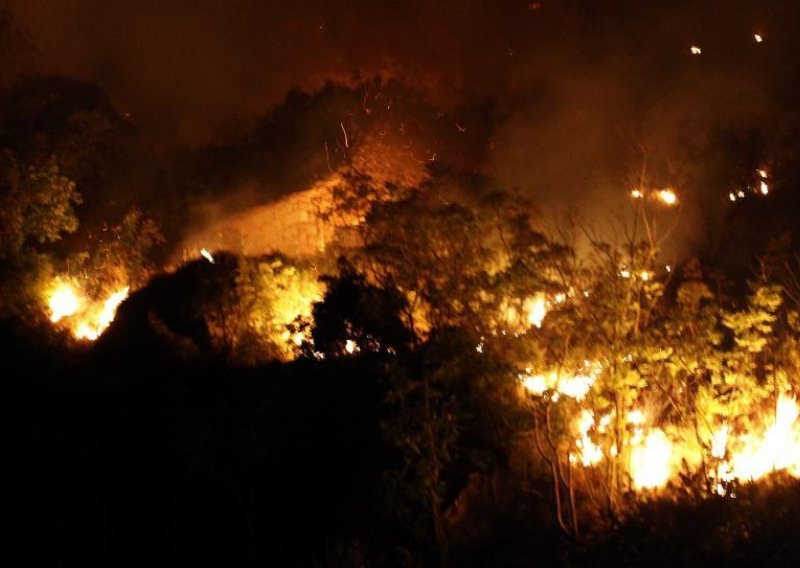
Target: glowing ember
column 651, row 458
column 637, row 194
column 758, row 37
column 207, row 255
column 695, row 50
column 63, row 302
column 350, row 346
column 667, row 196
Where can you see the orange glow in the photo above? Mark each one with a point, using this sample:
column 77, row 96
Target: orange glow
column 86, row 319
column 667, row 196
column 651, row 460
column 207, row 255
column 63, row 302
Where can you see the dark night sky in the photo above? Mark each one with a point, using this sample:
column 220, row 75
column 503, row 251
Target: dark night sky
column 189, row 66
column 575, row 82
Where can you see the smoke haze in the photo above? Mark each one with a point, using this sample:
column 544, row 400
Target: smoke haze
column 579, row 90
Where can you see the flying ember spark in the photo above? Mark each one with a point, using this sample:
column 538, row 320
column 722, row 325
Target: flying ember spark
column 207, row 255
column 637, row 193
column 695, row 50
column 763, row 186
column 758, row 37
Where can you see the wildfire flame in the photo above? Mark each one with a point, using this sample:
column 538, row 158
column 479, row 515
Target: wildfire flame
column 778, row 448
column 719, row 442
column 536, row 309
column 533, row 311
column 651, row 459
column 575, row 385
column 63, row 302
column 589, row 452
column 654, row 455
column 85, row 319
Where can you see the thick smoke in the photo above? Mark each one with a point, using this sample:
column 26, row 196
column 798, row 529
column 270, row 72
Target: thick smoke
column 581, row 89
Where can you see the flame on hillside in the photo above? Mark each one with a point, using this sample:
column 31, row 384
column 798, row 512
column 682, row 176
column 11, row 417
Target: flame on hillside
column 86, row 318
column 656, row 455
column 753, row 455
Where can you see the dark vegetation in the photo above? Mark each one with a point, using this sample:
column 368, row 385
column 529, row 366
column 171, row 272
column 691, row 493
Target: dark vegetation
column 131, row 450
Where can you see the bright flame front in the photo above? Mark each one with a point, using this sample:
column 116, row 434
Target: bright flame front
column 63, row 302
column 651, row 459
column 86, row 319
